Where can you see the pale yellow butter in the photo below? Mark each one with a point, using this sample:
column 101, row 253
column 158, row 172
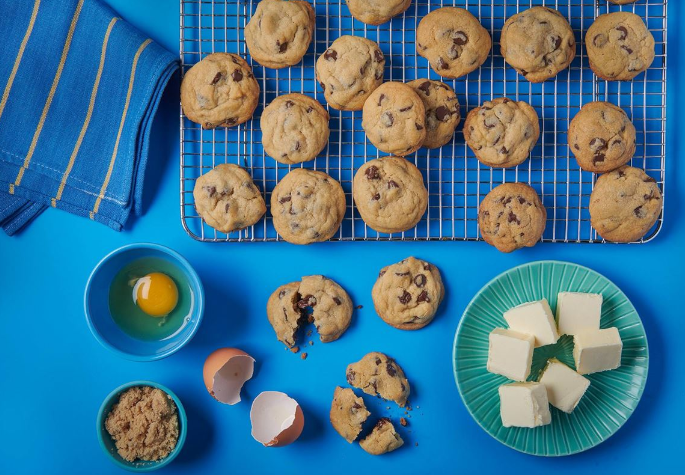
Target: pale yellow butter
column 524, row 405
column 597, row 350
column 565, row 387
column 510, row 354
column 577, row 312
column 534, row 318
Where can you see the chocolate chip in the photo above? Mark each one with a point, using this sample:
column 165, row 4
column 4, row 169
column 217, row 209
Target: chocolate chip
column 309, row 109
column 231, row 121
column 379, row 74
column 337, row 301
column 282, row 47
column 649, row 179
column 442, row 113
column 627, row 49
column 285, row 199
column 356, row 406
column 392, row 184
column 425, row 87
column 289, row 104
column 308, row 301
column 638, row 212
column 557, row 42
column 513, row 218
column 350, row 376
column 405, row 109
column 503, row 150
column 423, row 297
column 376, row 197
column 378, row 361
column 331, row 55
column 228, row 205
column 217, row 78
column 380, row 99
column 211, row 190
column 237, row 75
column 521, row 200
column 427, row 267
column 378, row 55
column 381, row 273
column 390, row 368
column 420, row 280
column 624, row 32
column 372, row 173
column 442, row 64
column 387, row 119
column 418, row 126
column 281, row 294
column 405, row 298
column 600, row 157
column 460, row 38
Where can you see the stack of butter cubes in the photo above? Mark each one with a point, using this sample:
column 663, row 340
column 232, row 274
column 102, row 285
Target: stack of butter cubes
column 532, row 325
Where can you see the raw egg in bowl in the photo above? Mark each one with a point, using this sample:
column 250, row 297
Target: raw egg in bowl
column 143, row 301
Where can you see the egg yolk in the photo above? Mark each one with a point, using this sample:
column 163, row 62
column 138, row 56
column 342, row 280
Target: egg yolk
column 156, row 294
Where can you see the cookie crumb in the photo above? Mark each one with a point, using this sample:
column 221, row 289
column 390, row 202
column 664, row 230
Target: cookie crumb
column 303, row 356
column 309, row 333
column 295, row 349
column 311, row 343
column 403, row 421
column 358, row 307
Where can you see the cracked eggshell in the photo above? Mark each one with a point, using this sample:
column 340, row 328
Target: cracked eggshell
column 276, row 418
column 225, row 371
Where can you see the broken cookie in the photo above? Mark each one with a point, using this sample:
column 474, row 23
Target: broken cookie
column 378, row 374
column 348, row 413
column 382, row 439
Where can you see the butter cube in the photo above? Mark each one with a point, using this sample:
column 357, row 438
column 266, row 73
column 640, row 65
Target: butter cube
column 534, row 318
column 524, row 405
column 510, row 354
column 597, row 350
column 577, row 312
column 564, row 386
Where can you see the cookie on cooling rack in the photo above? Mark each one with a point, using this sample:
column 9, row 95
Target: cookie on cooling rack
column 442, row 111
column 602, row 137
column 349, row 71
column 502, row 132
column 619, row 46
column 511, row 217
column 394, row 119
column 538, row 43
column 625, row 204
column 279, row 33
column 622, row 2
column 307, row 206
column 227, row 198
column 219, row 91
column 407, row 294
column 453, row 41
column 376, row 12
column 389, row 194
column 294, row 128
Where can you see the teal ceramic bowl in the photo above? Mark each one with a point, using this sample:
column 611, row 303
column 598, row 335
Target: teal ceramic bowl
column 108, row 445
column 99, row 317
column 612, row 396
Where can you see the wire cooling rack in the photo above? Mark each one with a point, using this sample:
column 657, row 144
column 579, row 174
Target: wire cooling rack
column 456, row 181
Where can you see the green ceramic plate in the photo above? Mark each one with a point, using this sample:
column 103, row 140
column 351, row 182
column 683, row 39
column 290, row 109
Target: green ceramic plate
column 612, row 396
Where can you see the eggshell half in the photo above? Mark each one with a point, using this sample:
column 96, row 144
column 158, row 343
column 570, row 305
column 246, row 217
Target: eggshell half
column 225, row 371
column 276, row 418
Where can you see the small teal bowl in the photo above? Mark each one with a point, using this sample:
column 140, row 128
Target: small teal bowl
column 110, row 448
column 100, row 321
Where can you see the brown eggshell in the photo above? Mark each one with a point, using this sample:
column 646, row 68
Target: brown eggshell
column 277, row 419
column 227, row 359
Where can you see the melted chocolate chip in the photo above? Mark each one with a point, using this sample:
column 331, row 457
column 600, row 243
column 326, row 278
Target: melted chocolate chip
column 392, row 184
column 289, row 104
column 423, row 297
column 350, row 376
column 376, row 197
column 337, row 301
column 624, row 32
column 442, row 113
column 281, row 294
column 380, row 99
column 378, row 55
column 285, row 199
column 420, row 280
column 460, row 38
column 425, row 87
column 331, row 55
column 512, row 218
column 418, row 126
column 388, row 119
column 405, row 109
column 237, row 75
column 217, row 78
column 390, row 368
column 307, row 301
column 282, row 47
column 372, row 173
column 442, row 64
column 211, row 190
column 405, row 298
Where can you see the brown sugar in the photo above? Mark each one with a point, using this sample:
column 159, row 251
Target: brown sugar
column 143, row 424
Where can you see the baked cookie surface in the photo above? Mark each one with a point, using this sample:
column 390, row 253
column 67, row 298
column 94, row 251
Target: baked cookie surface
column 294, row 128
column 389, row 194
column 307, row 206
column 619, row 46
column 348, row 413
column 502, row 133
column 378, row 374
column 602, row 137
column 283, row 313
column 442, row 111
column 219, row 91
column 279, row 33
column 625, row 204
column 453, row 41
column 349, row 71
column 538, row 43
column 622, row 2
column 376, row 12
column 511, row 217
column 330, row 304
column 382, row 439
column 394, row 119
column 227, row 198
column 407, row 294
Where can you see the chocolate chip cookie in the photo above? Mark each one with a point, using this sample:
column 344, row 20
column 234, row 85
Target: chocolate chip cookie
column 602, row 137
column 625, row 204
column 619, row 46
column 227, row 198
column 502, row 132
column 348, row 413
column 538, row 43
column 307, row 206
column 511, row 217
column 407, row 294
column 330, row 304
column 378, row 374
column 389, row 194
column 375, row 12
column 622, row 2
column 219, row 91
column 349, row 71
column 453, row 41
column 283, row 313
column 294, row 128
column 442, row 111
column 394, row 119
column 279, row 33
column 382, row 439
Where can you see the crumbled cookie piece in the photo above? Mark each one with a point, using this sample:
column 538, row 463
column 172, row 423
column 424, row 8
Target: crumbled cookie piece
column 283, row 313
column 378, row 374
column 382, row 439
column 348, row 413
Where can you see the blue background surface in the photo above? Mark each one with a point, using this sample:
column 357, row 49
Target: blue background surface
column 54, row 375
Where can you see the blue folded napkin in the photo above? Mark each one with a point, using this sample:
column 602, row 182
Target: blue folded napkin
column 78, row 90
